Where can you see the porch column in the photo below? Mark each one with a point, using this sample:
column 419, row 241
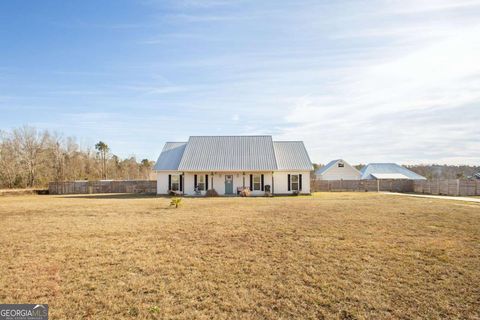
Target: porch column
column 273, row 183
column 182, row 178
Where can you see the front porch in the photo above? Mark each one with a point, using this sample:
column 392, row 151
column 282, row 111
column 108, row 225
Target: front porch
column 227, row 183
column 232, row 183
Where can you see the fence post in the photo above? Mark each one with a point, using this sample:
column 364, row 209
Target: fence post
column 378, row 185
column 458, row 187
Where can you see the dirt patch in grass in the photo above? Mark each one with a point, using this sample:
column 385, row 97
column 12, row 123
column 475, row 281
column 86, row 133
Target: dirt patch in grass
column 332, row 255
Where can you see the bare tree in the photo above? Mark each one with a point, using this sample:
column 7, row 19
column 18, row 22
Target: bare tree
column 57, row 157
column 29, row 157
column 9, row 164
column 30, row 145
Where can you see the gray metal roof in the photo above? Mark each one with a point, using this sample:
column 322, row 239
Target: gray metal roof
column 234, row 153
column 292, row 155
column 170, row 157
column 228, row 153
column 370, row 170
column 388, row 176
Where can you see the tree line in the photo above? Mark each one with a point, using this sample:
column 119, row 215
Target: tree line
column 31, row 158
column 438, row 171
column 434, row 171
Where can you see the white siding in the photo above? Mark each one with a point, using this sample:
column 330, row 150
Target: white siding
column 162, row 181
column 189, row 180
column 281, row 182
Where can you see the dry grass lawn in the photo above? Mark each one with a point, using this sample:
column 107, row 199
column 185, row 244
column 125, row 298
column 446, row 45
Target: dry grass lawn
column 332, row 255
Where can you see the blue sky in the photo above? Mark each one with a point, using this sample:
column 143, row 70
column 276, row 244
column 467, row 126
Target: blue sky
column 367, row 81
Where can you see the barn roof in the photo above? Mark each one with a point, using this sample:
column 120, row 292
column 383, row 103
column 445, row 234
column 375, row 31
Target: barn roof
column 388, row 171
column 389, row 176
column 234, row 153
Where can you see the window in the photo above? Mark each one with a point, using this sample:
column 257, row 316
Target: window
column 175, row 185
column 295, row 182
column 340, row 165
column 201, row 182
column 257, row 182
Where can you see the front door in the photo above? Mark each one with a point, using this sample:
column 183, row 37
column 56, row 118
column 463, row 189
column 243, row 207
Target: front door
column 228, row 184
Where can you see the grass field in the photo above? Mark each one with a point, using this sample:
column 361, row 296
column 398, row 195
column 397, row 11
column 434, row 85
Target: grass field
column 332, row 255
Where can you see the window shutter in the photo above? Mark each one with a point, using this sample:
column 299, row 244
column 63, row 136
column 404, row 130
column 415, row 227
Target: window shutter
column 181, row 182
column 263, row 186
column 169, row 182
column 251, row 182
column 300, row 181
column 194, row 181
column 288, row 182
column 206, row 182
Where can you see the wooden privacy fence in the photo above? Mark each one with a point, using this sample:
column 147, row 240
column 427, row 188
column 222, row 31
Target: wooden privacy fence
column 363, row 185
column 451, row 187
column 107, row 186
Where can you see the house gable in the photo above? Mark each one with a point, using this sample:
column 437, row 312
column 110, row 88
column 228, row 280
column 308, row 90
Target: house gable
column 292, row 155
column 170, row 156
column 338, row 170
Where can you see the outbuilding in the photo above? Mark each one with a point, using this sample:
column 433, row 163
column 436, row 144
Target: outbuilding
column 337, row 170
column 388, row 171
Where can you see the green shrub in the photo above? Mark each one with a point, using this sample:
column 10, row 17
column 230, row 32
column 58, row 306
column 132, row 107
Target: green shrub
column 175, row 202
column 153, row 309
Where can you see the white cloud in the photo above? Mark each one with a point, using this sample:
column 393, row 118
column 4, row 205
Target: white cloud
column 364, row 114
column 423, row 6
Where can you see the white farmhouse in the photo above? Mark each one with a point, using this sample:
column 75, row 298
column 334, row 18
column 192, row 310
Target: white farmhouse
column 337, row 170
column 230, row 163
